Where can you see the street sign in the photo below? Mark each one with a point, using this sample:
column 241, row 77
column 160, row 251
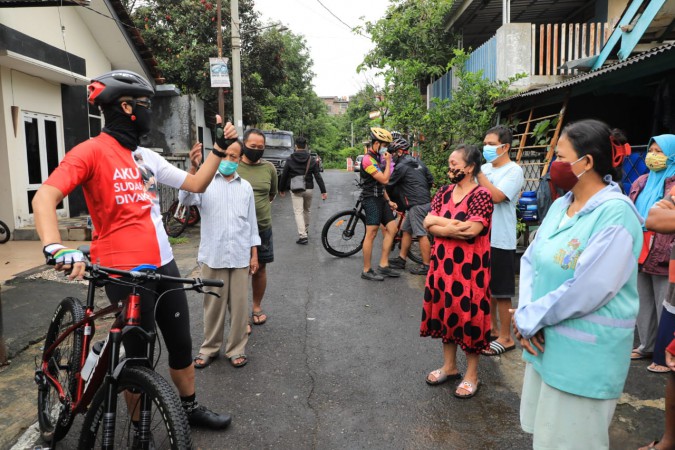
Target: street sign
column 220, row 76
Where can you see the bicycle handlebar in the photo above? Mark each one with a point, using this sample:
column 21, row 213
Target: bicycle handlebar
column 97, row 271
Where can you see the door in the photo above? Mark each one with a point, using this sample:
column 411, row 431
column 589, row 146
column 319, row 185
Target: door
column 44, row 150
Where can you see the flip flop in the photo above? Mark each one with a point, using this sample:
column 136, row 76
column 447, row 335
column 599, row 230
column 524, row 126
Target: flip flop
column 497, row 349
column 657, row 368
column 240, row 363
column 469, row 387
column 257, row 315
column 206, row 361
column 637, row 354
column 441, row 377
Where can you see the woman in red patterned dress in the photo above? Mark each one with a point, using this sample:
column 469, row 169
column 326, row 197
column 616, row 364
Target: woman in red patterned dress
column 457, row 296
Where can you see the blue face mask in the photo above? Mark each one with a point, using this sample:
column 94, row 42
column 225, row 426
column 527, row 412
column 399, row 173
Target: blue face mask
column 227, row 168
column 490, row 152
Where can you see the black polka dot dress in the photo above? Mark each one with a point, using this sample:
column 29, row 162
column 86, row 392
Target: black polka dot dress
column 457, row 292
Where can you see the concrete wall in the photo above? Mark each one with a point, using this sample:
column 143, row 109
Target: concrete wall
column 514, row 51
column 176, row 120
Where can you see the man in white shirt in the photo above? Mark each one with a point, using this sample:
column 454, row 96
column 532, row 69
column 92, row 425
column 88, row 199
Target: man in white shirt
column 504, row 179
column 227, row 251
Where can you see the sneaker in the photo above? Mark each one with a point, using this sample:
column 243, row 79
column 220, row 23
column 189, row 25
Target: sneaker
column 302, row 241
column 397, row 263
column 388, row 272
column 422, row 269
column 200, row 416
column 372, row 276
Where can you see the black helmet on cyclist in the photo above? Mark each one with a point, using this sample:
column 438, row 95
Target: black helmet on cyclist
column 380, row 134
column 396, row 135
column 107, row 88
column 398, row 144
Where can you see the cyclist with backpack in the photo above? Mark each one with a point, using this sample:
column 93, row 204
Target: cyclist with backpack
column 119, row 180
column 409, row 187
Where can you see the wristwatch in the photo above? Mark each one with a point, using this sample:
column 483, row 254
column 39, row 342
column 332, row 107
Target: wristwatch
column 218, row 153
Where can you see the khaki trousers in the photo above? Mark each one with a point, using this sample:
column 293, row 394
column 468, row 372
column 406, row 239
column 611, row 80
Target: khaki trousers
column 302, row 202
column 233, row 298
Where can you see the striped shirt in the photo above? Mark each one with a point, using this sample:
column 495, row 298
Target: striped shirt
column 228, row 227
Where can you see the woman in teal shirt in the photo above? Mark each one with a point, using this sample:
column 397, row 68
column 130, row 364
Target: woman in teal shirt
column 578, row 295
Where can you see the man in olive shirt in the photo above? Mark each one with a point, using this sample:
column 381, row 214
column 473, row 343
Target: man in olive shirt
column 263, row 178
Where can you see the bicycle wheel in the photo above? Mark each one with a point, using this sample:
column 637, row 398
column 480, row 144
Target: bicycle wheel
column 194, row 217
column 174, row 220
column 4, row 232
column 167, row 422
column 55, row 418
column 343, row 233
column 415, row 253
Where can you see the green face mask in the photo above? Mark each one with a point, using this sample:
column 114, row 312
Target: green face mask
column 656, row 162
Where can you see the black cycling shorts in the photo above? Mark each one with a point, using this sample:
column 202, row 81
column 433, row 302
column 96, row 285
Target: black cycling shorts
column 173, row 317
column 377, row 211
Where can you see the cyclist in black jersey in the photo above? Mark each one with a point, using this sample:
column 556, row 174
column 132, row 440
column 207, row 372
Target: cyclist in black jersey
column 375, row 173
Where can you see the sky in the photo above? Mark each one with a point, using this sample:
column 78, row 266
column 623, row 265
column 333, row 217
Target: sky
column 335, row 50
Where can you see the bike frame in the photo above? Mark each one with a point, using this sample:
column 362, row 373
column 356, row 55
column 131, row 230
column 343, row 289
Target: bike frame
column 108, row 367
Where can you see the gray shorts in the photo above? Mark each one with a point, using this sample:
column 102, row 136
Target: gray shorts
column 414, row 220
column 266, row 247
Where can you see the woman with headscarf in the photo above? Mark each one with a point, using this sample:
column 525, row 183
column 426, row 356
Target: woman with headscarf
column 645, row 192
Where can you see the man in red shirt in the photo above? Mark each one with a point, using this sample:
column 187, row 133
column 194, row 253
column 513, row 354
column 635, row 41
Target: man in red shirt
column 119, row 180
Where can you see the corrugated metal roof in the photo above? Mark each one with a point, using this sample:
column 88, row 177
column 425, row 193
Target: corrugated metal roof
column 667, row 48
column 481, row 18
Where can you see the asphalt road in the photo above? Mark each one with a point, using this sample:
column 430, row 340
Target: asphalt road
column 340, row 365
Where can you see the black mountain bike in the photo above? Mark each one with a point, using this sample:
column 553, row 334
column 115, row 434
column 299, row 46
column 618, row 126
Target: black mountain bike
column 344, row 232
column 127, row 403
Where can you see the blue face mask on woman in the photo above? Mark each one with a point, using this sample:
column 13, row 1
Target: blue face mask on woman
column 490, row 152
column 227, row 168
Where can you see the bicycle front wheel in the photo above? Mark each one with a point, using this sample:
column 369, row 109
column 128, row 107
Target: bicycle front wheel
column 54, row 417
column 4, row 232
column 175, row 219
column 343, row 233
column 161, row 422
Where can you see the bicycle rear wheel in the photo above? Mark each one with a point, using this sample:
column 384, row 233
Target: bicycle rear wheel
column 54, row 417
column 4, row 232
column 415, row 253
column 343, row 233
column 175, row 219
column 158, row 405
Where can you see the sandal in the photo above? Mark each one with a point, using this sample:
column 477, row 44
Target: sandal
column 651, row 446
column 205, row 361
column 657, row 368
column 440, row 377
column 497, row 348
column 468, row 387
column 259, row 317
column 637, row 354
column 242, row 360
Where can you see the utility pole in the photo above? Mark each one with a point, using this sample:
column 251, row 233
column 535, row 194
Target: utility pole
column 221, row 96
column 352, row 126
column 236, row 67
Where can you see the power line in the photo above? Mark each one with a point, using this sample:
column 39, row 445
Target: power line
column 340, row 20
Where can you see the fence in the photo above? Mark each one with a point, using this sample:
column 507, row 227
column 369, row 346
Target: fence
column 555, row 44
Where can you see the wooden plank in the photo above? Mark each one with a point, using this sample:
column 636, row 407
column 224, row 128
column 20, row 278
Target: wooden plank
column 591, row 40
column 584, row 41
column 570, row 45
column 541, row 50
column 523, row 140
column 555, row 49
column 563, row 40
column 576, row 41
column 548, row 49
column 556, row 136
column 598, row 38
column 533, row 56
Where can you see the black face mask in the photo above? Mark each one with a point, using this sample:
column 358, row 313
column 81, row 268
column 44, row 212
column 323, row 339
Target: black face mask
column 456, row 175
column 252, row 154
column 143, row 122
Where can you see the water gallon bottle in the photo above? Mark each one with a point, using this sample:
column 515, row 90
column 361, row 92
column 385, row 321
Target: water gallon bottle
column 92, row 358
column 527, row 204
